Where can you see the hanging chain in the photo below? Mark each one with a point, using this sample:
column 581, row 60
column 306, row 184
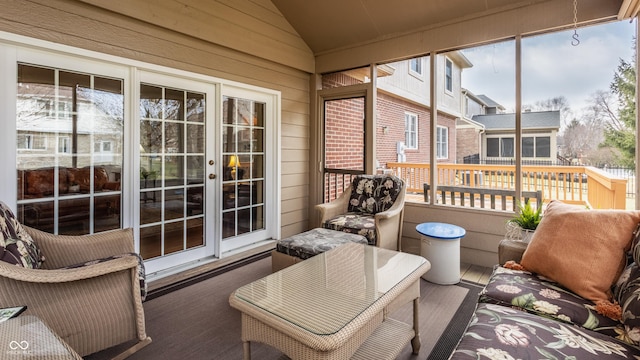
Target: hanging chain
column 575, row 41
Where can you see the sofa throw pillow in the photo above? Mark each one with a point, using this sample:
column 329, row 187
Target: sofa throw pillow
column 371, row 194
column 16, row 245
column 583, row 250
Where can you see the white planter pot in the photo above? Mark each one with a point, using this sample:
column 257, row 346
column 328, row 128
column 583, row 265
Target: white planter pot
column 526, row 235
column 515, row 232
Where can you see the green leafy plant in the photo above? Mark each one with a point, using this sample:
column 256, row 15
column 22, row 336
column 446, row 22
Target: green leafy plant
column 526, row 217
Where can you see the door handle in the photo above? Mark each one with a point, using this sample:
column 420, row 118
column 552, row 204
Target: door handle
column 212, row 176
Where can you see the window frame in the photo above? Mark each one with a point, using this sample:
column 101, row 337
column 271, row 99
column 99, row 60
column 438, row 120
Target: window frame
column 67, row 145
column 418, row 70
column 501, row 147
column 442, row 145
column 410, row 117
column 448, row 75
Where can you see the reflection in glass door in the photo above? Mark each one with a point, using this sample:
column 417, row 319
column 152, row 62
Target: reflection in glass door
column 172, row 166
column 243, row 155
column 69, row 150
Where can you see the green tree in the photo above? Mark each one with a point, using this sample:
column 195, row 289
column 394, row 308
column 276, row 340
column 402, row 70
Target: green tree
column 620, row 127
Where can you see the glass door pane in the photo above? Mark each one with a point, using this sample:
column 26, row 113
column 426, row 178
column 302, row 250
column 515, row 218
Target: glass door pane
column 243, row 162
column 172, row 165
column 69, row 150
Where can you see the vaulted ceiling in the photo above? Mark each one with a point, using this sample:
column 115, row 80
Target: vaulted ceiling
column 335, row 25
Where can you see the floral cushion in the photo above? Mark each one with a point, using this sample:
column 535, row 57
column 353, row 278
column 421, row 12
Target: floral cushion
column 500, row 332
column 627, row 293
column 16, row 245
column 371, row 194
column 544, row 297
column 141, row 270
column 316, row 241
column 354, row 223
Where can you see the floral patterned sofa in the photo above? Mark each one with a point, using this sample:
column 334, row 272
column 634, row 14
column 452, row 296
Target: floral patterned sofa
column 525, row 315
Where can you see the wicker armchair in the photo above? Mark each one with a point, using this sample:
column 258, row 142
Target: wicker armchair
column 373, row 206
column 91, row 307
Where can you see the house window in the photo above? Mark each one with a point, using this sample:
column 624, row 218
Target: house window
column 506, row 147
column 102, row 147
column 411, row 130
column 32, row 142
column 64, row 145
column 500, row 147
column 448, row 75
column 493, row 147
column 415, row 66
column 442, row 142
column 539, row 147
column 543, row 147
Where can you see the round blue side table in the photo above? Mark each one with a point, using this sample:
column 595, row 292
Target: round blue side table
column 440, row 244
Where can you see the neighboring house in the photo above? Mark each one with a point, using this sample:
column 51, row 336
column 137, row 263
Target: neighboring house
column 404, row 109
column 487, row 133
column 539, row 136
column 469, row 145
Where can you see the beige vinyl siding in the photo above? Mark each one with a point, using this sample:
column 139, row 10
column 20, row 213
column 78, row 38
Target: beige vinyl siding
column 269, row 56
column 253, row 27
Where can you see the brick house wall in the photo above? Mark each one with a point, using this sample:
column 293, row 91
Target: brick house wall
column 391, row 112
column 344, row 134
column 468, row 143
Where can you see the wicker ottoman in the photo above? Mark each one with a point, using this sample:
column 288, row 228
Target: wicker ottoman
column 307, row 244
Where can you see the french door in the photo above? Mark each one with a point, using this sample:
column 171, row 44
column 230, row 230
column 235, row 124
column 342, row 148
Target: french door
column 177, row 167
column 188, row 161
column 204, row 170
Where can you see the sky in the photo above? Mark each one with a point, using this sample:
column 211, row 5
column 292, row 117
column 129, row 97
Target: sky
column 551, row 65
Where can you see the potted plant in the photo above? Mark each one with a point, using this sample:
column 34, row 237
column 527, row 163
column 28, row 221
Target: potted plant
column 525, row 222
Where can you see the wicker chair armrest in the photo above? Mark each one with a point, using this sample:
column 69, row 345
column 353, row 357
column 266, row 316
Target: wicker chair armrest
column 334, row 208
column 389, row 224
column 65, row 250
column 393, row 211
column 19, row 273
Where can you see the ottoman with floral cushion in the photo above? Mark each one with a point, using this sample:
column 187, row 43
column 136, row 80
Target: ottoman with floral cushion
column 526, row 314
column 307, row 244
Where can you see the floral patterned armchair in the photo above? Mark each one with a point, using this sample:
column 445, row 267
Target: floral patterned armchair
column 373, row 206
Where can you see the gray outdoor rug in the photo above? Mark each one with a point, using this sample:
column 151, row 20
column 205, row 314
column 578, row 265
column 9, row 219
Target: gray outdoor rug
column 196, row 321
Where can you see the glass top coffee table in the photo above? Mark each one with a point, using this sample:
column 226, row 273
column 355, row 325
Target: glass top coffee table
column 27, row 337
column 334, row 305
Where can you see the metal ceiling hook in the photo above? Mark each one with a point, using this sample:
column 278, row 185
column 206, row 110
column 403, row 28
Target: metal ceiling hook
column 575, row 41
